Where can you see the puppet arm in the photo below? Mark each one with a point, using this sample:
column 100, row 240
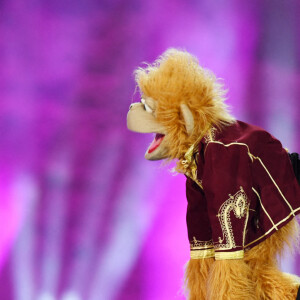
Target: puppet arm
column 227, row 185
column 201, row 246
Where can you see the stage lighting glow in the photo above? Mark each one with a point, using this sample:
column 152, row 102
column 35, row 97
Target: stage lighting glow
column 136, row 209
column 25, row 194
column 70, row 295
column 91, row 218
column 46, row 296
column 58, row 178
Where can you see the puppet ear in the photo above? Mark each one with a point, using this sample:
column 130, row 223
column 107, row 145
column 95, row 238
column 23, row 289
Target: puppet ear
column 188, row 118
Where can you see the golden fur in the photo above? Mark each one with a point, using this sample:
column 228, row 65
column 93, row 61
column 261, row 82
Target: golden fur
column 176, row 78
column 270, row 282
column 196, row 275
column 235, row 276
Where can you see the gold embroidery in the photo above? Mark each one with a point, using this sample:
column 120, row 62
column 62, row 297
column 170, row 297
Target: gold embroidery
column 239, row 204
column 198, row 254
column 190, row 165
column 293, row 211
column 191, row 172
column 200, row 245
column 229, row 255
column 211, row 135
column 256, row 157
column 189, row 162
column 264, row 208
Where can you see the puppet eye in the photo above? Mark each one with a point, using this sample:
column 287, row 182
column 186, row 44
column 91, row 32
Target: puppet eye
column 147, row 107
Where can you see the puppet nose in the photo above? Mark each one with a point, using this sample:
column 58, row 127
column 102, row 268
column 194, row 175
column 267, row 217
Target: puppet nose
column 133, row 104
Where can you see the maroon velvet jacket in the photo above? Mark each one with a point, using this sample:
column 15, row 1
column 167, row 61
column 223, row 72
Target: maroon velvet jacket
column 246, row 191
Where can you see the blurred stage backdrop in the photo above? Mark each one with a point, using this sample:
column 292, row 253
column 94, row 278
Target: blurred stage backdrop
column 82, row 215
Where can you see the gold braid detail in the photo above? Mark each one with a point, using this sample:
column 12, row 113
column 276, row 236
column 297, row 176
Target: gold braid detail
column 189, row 162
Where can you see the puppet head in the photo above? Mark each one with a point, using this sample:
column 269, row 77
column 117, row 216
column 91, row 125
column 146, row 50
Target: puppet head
column 180, row 102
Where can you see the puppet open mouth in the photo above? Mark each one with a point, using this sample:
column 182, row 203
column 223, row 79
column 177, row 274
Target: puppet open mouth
column 156, row 142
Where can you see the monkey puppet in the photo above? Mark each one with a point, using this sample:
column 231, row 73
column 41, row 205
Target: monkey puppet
column 242, row 193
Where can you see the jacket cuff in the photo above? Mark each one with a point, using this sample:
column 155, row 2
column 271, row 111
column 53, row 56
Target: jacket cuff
column 229, row 255
column 199, row 254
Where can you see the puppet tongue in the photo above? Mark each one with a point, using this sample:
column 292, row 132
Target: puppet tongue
column 156, row 142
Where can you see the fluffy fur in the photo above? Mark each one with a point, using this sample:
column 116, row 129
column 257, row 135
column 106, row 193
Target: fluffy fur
column 270, row 282
column 196, row 275
column 235, row 279
column 176, row 78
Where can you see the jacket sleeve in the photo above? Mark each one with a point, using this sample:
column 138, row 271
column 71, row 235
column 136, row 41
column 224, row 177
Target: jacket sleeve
column 199, row 231
column 227, row 186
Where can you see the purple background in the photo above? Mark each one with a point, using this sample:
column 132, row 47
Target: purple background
column 82, row 215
